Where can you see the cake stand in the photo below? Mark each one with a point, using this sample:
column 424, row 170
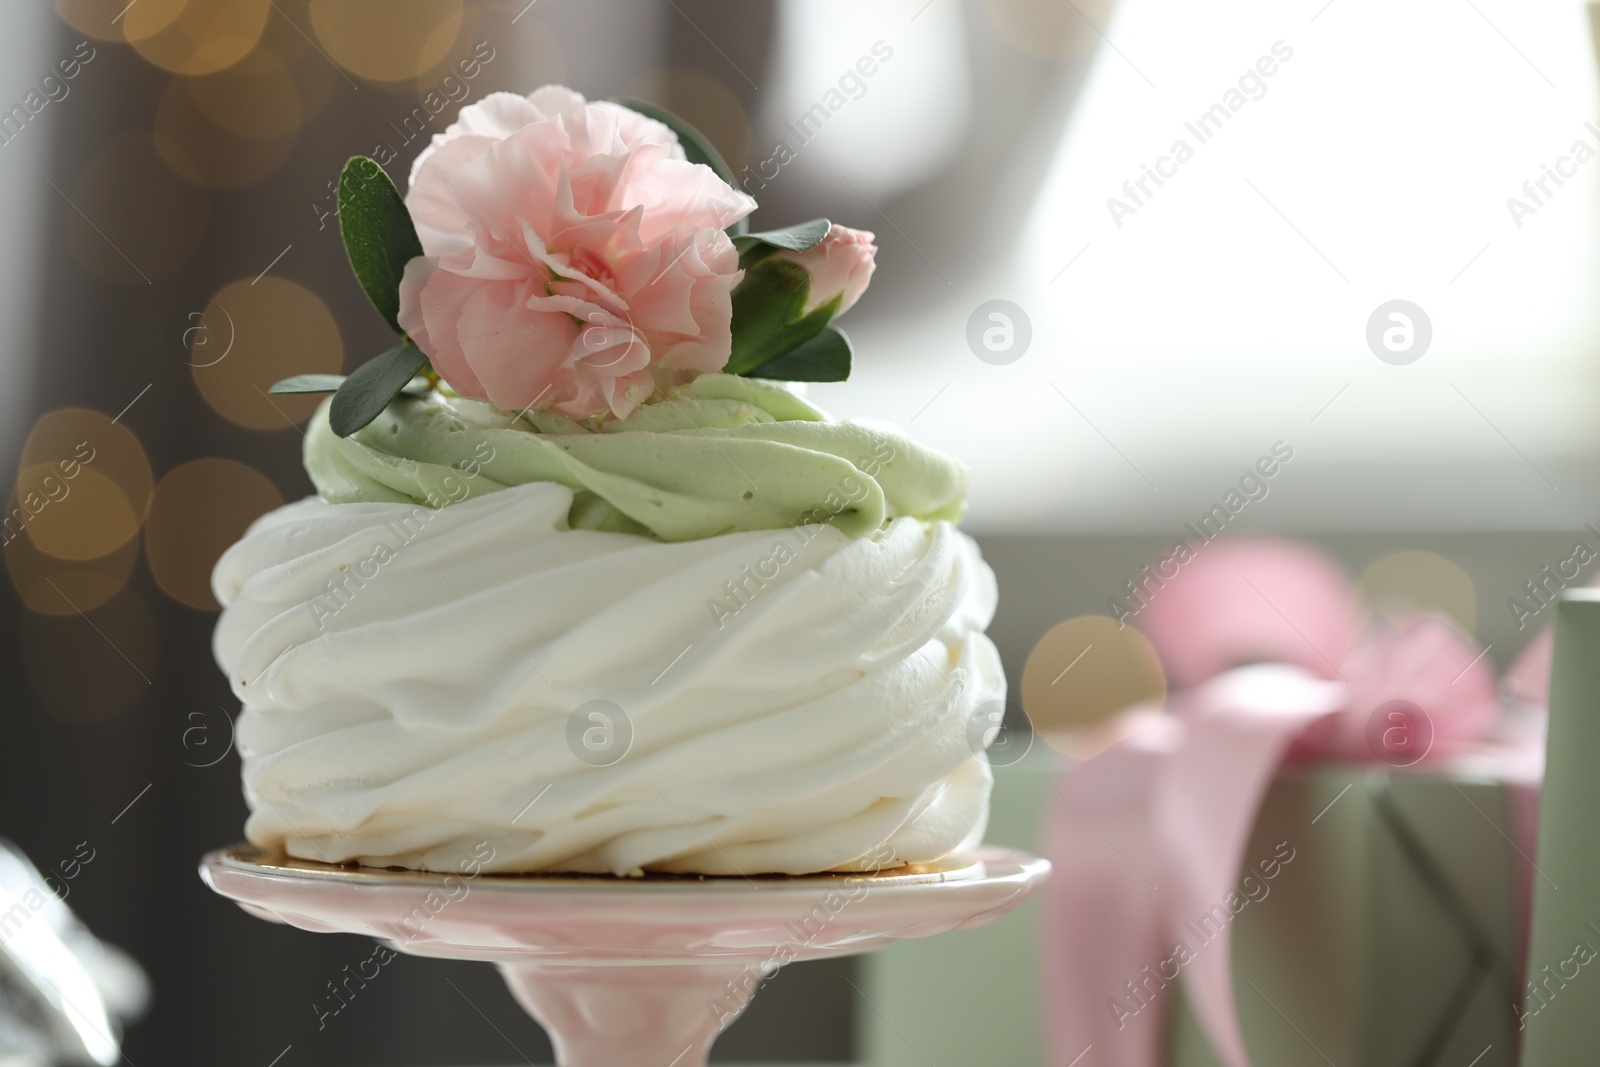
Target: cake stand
column 625, row 971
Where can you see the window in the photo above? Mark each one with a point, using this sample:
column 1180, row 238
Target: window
column 1242, row 187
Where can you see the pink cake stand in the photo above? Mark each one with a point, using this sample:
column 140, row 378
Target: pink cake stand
column 628, row 971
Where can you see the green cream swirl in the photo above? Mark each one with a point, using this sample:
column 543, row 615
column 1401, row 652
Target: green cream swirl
column 722, row 454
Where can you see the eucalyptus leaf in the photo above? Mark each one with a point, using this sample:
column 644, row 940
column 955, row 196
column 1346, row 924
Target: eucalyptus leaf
column 801, row 237
column 309, row 383
column 823, row 358
column 379, row 236
column 697, row 148
column 365, row 394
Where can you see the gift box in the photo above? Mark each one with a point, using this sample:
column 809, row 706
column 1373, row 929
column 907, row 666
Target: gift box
column 1350, row 929
column 1319, row 847
column 1391, row 938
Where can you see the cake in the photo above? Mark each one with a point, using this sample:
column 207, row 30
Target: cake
column 587, row 584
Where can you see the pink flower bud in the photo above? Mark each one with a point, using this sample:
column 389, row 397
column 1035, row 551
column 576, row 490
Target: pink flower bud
column 841, row 265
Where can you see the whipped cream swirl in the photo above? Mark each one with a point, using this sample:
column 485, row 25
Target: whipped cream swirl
column 418, row 682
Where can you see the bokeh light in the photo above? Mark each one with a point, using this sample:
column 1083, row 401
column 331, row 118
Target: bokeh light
column 152, row 17
column 79, row 518
column 54, row 586
column 99, row 19
column 255, row 97
column 132, row 220
column 83, row 484
column 253, row 334
column 232, row 128
column 1049, row 29
column 202, row 37
column 1083, row 672
column 387, row 40
column 704, row 102
column 200, row 509
column 1403, row 585
column 90, row 668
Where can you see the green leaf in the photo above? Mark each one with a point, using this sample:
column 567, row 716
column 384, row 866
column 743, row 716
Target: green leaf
column 697, row 148
column 801, row 237
column 823, row 358
column 767, row 308
column 768, row 315
column 379, row 236
column 309, row 383
column 365, row 394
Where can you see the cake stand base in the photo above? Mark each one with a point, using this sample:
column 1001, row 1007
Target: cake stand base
column 627, row 971
column 606, row 1015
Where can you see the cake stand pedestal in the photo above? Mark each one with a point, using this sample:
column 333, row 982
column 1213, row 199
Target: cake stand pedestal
column 625, row 971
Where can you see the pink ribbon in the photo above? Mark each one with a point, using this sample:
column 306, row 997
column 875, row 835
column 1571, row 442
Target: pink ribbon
column 1149, row 836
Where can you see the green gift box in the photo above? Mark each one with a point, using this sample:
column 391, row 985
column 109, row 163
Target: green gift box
column 1397, row 943
column 1391, row 938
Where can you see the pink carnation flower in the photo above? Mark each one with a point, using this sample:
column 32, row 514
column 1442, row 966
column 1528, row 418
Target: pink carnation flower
column 573, row 260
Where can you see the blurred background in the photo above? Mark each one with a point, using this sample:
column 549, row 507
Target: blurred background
column 1109, row 330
